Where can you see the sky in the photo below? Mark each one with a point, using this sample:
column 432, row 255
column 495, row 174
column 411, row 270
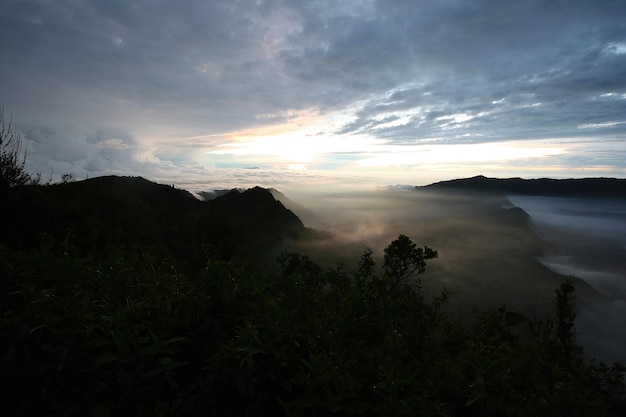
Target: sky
column 303, row 95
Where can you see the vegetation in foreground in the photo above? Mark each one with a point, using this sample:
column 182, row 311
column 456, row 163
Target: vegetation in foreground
column 126, row 334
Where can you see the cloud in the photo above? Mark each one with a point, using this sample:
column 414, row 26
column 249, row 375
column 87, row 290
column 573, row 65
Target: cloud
column 82, row 152
column 183, row 79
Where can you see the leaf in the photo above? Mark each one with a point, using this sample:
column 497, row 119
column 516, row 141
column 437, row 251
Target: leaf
column 105, row 358
column 176, row 339
column 100, row 341
column 100, row 410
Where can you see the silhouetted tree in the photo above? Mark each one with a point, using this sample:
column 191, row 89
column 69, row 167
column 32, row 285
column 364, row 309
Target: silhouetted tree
column 365, row 268
column 565, row 315
column 13, row 171
column 68, row 178
column 403, row 259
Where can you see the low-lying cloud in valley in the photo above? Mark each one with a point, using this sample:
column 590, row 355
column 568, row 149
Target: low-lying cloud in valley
column 491, row 252
column 586, row 239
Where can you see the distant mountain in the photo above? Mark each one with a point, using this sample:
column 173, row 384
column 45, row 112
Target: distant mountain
column 213, row 194
column 105, row 213
column 585, row 187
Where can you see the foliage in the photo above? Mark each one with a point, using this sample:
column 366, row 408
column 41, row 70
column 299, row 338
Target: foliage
column 13, row 171
column 565, row 316
column 127, row 333
column 68, row 178
column 403, row 259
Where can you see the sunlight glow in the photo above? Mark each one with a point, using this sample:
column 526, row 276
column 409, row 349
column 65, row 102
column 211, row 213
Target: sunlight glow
column 297, row 141
column 297, row 147
column 296, row 167
column 617, row 48
column 436, row 154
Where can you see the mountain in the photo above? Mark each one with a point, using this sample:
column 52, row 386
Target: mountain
column 106, row 213
column 584, row 187
column 213, row 194
column 251, row 222
column 306, row 215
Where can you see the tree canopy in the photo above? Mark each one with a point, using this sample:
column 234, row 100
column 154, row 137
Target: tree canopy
column 126, row 333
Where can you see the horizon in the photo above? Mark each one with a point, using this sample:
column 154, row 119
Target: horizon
column 197, row 189
column 316, row 96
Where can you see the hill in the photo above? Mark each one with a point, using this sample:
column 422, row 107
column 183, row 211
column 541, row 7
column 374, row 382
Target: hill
column 584, row 187
column 107, row 213
column 112, row 295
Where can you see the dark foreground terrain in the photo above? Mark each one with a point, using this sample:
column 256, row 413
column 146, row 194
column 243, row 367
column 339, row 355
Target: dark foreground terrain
column 124, row 297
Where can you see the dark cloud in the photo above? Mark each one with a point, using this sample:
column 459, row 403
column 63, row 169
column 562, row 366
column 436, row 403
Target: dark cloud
column 471, row 55
column 191, row 58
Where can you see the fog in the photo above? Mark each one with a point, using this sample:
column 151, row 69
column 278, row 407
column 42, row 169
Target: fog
column 586, row 238
column 487, row 254
column 491, row 253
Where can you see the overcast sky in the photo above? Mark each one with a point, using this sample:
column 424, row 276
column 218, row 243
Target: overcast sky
column 290, row 93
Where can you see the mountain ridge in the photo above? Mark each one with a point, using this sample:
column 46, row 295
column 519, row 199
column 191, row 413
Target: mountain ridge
column 113, row 212
column 580, row 187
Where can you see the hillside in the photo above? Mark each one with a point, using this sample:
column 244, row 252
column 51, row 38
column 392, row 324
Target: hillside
column 584, row 187
column 114, row 300
column 111, row 212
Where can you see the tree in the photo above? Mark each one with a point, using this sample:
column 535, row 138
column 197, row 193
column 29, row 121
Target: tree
column 403, row 259
column 365, row 268
column 565, row 315
column 13, row 171
column 68, row 178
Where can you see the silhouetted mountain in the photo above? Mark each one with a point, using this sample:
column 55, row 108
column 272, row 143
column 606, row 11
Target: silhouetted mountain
column 303, row 213
column 252, row 222
column 102, row 213
column 585, row 187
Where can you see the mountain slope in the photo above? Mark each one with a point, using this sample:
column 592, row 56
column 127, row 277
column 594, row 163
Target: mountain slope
column 251, row 222
column 303, row 213
column 584, row 187
column 100, row 214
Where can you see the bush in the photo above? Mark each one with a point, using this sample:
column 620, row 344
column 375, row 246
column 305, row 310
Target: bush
column 13, row 171
column 128, row 335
